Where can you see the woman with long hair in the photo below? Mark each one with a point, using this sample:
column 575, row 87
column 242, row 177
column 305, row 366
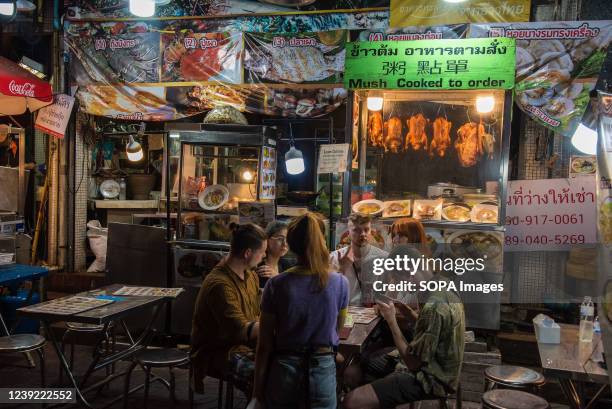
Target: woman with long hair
column 277, row 247
column 302, row 312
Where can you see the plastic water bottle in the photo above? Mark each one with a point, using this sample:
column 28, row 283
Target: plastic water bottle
column 587, row 316
column 596, row 326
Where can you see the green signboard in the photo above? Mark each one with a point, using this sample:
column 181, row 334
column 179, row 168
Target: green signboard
column 477, row 63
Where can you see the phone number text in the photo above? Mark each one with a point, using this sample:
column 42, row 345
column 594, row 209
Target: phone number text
column 557, row 239
column 541, row 219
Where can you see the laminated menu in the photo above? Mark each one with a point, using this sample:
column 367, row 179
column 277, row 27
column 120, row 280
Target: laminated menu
column 68, row 306
column 149, row 291
column 362, row 315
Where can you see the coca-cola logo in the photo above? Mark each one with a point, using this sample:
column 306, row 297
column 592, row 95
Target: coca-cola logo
column 26, row 89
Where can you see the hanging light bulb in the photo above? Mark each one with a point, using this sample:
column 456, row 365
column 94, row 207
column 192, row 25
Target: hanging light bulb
column 8, row 9
column 134, row 150
column 142, row 8
column 247, row 175
column 584, row 139
column 294, row 161
column 485, row 104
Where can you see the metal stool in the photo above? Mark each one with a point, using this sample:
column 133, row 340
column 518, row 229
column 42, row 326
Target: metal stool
column 442, row 402
column 74, row 328
column 512, row 399
column 24, row 343
column 159, row 358
column 513, row 377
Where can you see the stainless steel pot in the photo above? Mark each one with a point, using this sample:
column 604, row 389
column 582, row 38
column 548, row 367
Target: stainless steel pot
column 450, row 189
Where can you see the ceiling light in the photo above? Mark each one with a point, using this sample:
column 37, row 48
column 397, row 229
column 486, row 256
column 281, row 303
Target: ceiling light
column 375, row 103
column 584, row 139
column 485, row 104
column 294, row 161
column 134, row 150
column 8, row 9
column 247, row 175
column 142, row 8
column 175, row 135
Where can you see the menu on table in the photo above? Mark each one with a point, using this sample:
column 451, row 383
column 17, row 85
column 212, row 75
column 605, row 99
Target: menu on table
column 362, row 315
column 68, row 306
column 149, row 291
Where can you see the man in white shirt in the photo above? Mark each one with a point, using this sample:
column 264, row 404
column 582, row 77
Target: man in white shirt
column 355, row 260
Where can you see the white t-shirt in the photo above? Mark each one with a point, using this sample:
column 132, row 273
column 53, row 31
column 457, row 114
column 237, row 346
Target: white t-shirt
column 366, row 270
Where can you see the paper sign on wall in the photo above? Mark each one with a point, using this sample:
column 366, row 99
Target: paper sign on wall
column 53, row 119
column 333, row 158
column 550, row 214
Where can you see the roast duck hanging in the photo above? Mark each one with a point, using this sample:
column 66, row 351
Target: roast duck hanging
column 416, row 138
column 393, row 135
column 472, row 142
column 441, row 137
column 375, row 128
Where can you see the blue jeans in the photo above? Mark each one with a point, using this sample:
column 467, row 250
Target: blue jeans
column 284, row 386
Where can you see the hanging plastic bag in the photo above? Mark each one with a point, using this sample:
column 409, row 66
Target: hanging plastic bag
column 98, row 237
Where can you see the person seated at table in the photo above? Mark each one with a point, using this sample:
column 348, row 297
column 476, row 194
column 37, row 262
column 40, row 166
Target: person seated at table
column 302, row 311
column 225, row 320
column 381, row 357
column 354, row 261
column 277, row 248
column 431, row 362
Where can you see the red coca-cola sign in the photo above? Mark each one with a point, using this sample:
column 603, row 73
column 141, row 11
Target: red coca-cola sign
column 26, row 89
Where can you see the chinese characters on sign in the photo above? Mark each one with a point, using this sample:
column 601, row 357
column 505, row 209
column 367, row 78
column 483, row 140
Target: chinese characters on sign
column 431, row 64
column 550, row 214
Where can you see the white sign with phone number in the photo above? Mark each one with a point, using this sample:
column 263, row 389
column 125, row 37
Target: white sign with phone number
column 550, row 214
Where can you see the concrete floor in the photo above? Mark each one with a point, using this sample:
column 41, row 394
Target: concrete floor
column 14, row 372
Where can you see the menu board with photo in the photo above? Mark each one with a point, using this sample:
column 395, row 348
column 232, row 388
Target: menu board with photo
column 267, row 175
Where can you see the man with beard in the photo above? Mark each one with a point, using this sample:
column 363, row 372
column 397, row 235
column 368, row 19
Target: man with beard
column 356, row 260
column 225, row 320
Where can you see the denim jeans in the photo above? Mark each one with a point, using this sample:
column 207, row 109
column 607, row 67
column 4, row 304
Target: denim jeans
column 284, row 389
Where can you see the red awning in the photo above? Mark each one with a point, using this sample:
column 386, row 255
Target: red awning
column 20, row 89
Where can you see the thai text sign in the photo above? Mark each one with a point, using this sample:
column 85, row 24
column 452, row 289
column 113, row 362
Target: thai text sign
column 550, row 214
column 435, row 12
column 54, row 118
column 431, row 64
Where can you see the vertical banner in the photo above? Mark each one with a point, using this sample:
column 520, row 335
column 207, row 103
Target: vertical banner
column 604, row 215
column 430, row 12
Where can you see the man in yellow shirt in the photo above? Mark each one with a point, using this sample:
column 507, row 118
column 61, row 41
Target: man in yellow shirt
column 225, row 320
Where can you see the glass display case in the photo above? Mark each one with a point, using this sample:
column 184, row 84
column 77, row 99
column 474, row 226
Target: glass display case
column 219, row 167
column 440, row 157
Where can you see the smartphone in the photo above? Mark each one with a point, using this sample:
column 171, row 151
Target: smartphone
column 384, row 298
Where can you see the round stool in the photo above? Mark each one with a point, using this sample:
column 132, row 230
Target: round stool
column 512, row 399
column 159, row 358
column 513, row 377
column 73, row 329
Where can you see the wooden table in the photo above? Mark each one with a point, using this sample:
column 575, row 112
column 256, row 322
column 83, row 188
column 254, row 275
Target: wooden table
column 116, row 311
column 573, row 363
column 356, row 342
